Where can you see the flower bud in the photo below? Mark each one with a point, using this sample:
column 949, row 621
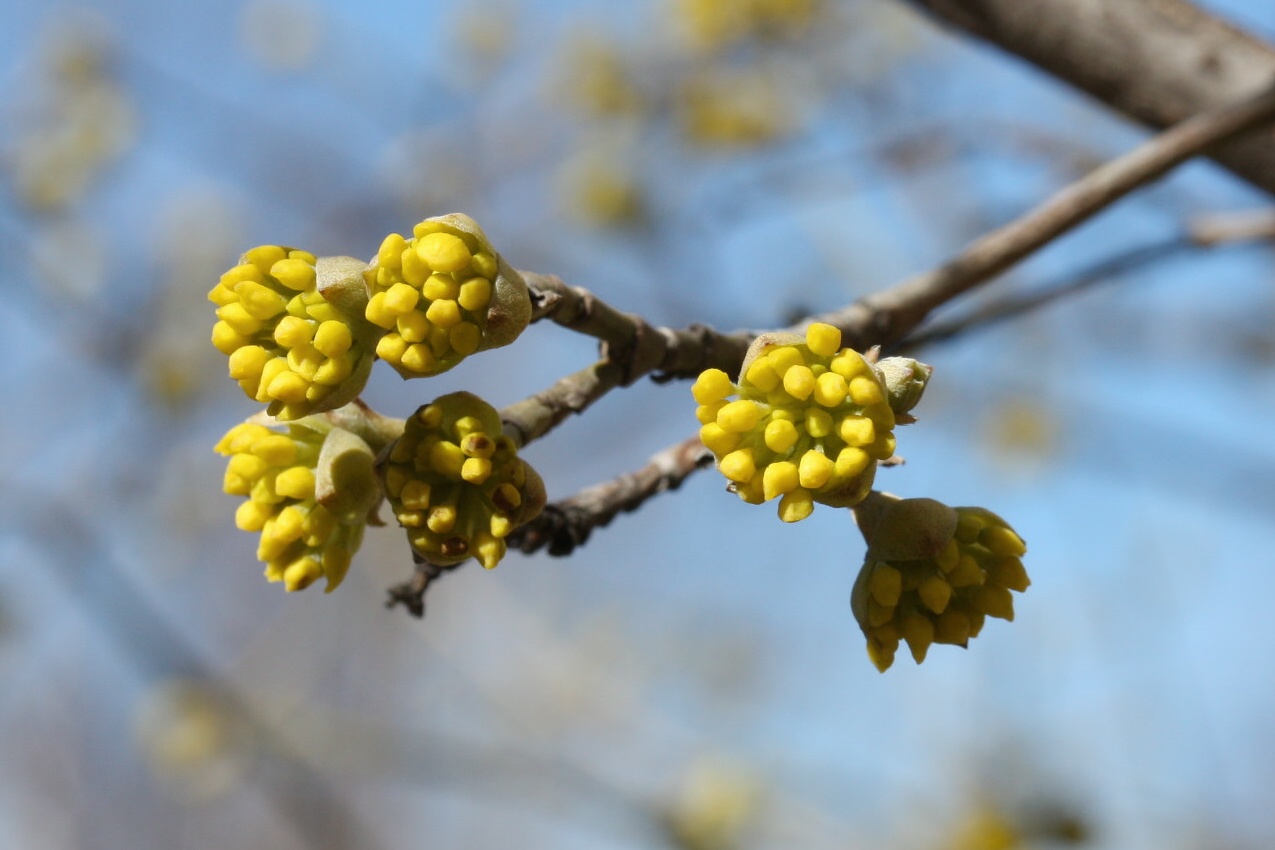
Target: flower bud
column 932, row 574
column 442, row 295
column 309, row 492
column 810, row 424
column 905, row 381
column 292, row 327
column 456, row 483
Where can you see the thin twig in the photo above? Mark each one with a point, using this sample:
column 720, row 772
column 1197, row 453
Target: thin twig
column 567, row 524
column 887, row 316
column 632, row 348
column 1024, row 302
column 1208, row 231
column 628, row 340
column 1224, row 228
column 537, row 415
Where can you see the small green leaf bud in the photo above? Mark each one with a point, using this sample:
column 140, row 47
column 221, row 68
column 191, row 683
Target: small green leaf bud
column 905, row 380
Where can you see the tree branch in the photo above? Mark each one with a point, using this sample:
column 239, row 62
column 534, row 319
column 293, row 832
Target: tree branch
column 1209, row 231
column 567, row 524
column 1158, row 62
column 1024, row 302
column 887, row 316
column 632, row 348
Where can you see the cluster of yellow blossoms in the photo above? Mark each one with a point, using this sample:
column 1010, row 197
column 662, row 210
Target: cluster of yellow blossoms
column 456, row 483
column 711, row 25
column 434, row 295
column 301, row 334
column 301, row 539
column 289, row 346
column 933, row 574
column 810, row 424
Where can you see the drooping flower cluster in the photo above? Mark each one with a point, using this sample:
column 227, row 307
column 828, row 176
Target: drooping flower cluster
column 442, row 295
column 308, row 489
column 810, row 424
column 290, row 325
column 932, row 574
column 456, row 483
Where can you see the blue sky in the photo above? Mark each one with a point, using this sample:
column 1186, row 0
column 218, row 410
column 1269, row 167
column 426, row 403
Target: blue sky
column 555, row 702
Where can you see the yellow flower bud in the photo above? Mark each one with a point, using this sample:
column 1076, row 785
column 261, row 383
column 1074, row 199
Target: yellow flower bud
column 444, row 294
column 804, row 402
column 294, row 331
column 456, row 483
column 931, row 574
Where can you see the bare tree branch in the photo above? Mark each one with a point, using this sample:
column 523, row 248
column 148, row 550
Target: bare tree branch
column 1219, row 228
column 567, row 524
column 632, row 348
column 1211, row 231
column 1024, row 302
column 885, row 317
column 1157, row 61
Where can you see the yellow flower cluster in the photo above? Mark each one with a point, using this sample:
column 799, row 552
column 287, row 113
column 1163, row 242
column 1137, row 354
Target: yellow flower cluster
column 597, row 78
column 811, row 421
column 712, row 25
column 944, row 598
column 301, row 540
column 431, row 293
column 456, row 483
column 734, row 108
column 289, row 347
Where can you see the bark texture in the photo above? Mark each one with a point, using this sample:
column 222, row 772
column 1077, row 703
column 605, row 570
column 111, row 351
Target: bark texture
column 1156, row 61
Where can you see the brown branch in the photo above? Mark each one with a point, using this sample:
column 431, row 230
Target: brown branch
column 1158, row 62
column 1023, row 302
column 627, row 339
column 632, row 348
column 1221, row 228
column 567, row 524
column 411, row 593
column 887, row 316
column 1210, row 231
column 537, row 415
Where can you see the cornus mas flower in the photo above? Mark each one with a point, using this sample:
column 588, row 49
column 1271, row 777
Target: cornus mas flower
column 932, row 574
column 309, row 491
column 442, row 295
column 456, row 482
column 810, row 424
column 293, row 328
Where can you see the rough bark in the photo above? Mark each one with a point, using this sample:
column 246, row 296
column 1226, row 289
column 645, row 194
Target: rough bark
column 1156, row 61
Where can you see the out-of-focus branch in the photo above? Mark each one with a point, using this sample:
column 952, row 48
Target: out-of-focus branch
column 1024, row 302
column 318, row 811
column 564, row 525
column 1157, row 61
column 1223, row 228
column 1208, row 231
column 885, row 317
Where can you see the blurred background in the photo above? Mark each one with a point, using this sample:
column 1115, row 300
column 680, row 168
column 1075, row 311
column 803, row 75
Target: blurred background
column 691, row 678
